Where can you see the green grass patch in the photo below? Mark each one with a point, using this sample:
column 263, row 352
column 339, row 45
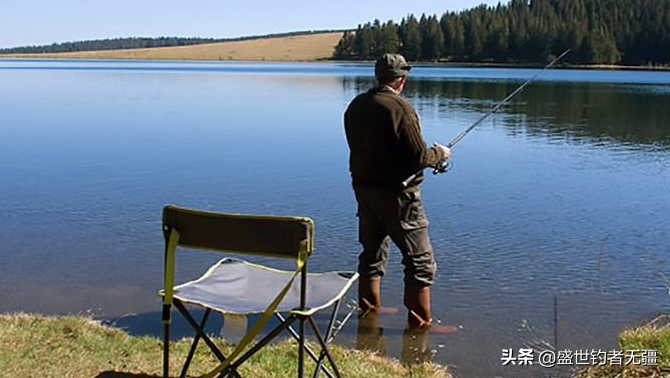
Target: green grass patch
column 650, row 337
column 74, row 347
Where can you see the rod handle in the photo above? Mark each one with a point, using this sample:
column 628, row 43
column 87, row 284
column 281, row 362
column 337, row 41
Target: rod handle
column 441, row 167
column 410, row 179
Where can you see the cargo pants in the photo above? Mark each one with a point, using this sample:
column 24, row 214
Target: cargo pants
column 398, row 216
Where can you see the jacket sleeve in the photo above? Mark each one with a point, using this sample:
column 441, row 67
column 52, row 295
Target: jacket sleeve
column 413, row 144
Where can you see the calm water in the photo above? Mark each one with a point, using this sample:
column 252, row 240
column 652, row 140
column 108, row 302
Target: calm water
column 552, row 226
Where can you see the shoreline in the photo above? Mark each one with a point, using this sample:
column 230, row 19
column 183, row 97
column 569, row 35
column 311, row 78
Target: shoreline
column 80, row 347
column 608, row 67
column 603, row 67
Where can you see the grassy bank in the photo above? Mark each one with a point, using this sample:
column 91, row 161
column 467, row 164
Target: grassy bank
column 73, row 347
column 655, row 336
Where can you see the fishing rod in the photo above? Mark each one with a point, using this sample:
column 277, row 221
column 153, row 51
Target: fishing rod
column 444, row 166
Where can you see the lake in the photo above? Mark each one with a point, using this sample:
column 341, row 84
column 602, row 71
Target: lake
column 551, row 229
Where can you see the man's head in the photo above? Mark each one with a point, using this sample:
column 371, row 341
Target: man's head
column 392, row 70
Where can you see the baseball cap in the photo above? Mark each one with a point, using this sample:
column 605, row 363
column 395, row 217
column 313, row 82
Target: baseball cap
column 392, row 65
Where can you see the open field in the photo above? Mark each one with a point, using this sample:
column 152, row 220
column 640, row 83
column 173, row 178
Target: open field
column 296, row 48
column 76, row 347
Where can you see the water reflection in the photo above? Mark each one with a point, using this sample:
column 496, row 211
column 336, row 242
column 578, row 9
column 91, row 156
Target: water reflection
column 416, row 347
column 370, row 334
column 561, row 112
column 416, row 344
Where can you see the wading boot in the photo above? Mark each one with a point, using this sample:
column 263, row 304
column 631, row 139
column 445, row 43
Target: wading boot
column 370, row 297
column 420, row 316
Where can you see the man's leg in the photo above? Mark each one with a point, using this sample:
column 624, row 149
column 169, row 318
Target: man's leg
column 372, row 260
column 411, row 237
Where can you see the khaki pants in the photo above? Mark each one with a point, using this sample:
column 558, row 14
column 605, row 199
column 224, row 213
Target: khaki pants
column 386, row 215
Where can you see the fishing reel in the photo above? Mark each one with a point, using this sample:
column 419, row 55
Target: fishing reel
column 442, row 167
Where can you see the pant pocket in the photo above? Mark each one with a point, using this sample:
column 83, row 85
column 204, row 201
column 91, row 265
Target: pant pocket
column 412, row 214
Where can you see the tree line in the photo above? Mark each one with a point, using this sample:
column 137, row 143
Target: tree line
column 141, row 42
column 632, row 32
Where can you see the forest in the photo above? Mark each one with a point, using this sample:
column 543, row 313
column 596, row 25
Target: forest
column 626, row 32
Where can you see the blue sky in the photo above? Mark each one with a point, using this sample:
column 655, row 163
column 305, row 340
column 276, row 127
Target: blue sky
column 29, row 22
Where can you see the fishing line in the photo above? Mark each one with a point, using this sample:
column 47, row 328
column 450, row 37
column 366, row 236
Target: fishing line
column 444, row 166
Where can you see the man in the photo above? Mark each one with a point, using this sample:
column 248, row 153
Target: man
column 384, row 136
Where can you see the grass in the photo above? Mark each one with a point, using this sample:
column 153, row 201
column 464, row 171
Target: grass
column 649, row 337
column 77, row 347
column 295, row 48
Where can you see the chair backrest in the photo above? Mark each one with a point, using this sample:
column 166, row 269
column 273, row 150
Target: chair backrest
column 283, row 237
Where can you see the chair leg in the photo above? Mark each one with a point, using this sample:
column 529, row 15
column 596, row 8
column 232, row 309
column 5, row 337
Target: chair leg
column 324, row 347
column 166, row 351
column 194, row 346
column 301, row 350
column 260, row 344
column 329, row 332
column 199, row 331
column 342, row 323
column 309, row 350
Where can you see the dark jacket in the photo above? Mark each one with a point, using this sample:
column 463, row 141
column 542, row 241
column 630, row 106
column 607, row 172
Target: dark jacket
column 384, row 135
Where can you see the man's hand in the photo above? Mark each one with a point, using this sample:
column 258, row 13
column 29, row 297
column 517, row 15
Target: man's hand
column 444, row 164
column 446, row 151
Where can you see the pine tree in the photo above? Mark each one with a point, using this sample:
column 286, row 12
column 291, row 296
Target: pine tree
column 474, row 45
column 364, row 41
column 498, row 37
column 376, row 50
column 389, row 40
column 599, row 47
column 432, row 41
column 448, row 31
column 459, row 38
column 346, row 48
column 411, row 38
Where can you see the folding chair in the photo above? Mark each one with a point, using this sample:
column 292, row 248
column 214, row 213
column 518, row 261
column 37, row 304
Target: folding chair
column 234, row 286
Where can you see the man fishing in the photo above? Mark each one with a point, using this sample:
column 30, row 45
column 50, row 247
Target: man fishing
column 386, row 146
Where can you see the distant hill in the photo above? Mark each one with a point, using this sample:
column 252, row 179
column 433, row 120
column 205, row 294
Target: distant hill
column 296, row 47
column 143, row 42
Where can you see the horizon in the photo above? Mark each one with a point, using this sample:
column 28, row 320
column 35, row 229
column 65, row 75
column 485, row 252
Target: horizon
column 40, row 22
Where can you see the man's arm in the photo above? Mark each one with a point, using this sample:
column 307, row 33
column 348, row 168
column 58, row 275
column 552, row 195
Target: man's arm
column 415, row 146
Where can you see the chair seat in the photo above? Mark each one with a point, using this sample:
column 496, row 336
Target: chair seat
column 233, row 286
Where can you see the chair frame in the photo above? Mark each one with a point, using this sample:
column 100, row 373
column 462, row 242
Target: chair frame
column 172, row 236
